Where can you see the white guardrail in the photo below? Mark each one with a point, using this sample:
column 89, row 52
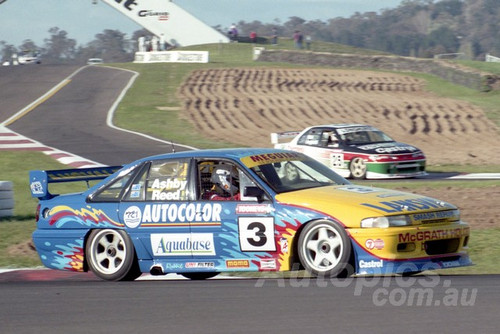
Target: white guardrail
column 6, row 199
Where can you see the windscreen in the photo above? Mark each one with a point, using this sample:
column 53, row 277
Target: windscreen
column 294, row 173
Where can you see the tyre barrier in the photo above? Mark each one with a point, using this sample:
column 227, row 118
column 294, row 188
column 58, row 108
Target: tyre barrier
column 6, row 199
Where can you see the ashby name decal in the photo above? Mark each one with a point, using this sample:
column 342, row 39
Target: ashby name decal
column 182, row 244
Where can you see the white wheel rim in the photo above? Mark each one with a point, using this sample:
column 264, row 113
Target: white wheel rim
column 323, row 248
column 358, row 167
column 108, row 251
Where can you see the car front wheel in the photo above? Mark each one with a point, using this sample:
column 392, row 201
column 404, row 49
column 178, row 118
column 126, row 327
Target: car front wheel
column 325, row 249
column 111, row 256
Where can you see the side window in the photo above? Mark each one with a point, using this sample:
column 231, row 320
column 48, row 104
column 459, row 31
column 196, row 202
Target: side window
column 167, row 181
column 219, row 180
column 137, row 190
column 311, row 138
column 112, row 192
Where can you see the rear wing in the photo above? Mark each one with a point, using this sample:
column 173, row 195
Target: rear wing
column 40, row 179
column 278, row 138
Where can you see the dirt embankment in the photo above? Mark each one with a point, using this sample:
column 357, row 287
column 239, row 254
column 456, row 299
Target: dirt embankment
column 245, row 105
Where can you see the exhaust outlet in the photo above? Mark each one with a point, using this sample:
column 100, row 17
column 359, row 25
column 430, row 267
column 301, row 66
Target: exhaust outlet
column 156, row 270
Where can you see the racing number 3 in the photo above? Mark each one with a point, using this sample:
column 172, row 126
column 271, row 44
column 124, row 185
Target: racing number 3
column 256, row 234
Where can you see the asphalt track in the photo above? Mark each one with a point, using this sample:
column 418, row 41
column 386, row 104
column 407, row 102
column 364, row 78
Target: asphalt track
column 46, row 301
column 74, row 118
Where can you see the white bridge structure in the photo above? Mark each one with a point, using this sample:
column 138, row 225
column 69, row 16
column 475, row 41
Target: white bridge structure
column 168, row 22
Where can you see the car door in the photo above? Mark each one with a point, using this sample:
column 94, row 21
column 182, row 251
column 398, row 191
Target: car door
column 242, row 227
column 157, row 210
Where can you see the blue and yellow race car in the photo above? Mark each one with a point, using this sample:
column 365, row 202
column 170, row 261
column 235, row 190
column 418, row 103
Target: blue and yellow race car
column 200, row 213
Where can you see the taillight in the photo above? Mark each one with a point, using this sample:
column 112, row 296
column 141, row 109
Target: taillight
column 37, row 213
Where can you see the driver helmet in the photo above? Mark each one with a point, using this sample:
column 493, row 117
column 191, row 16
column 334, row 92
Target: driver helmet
column 226, row 177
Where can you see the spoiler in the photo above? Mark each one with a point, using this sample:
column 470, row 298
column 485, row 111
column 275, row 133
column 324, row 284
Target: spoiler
column 40, row 179
column 277, row 137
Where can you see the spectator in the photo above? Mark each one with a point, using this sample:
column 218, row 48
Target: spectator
column 274, row 37
column 297, row 38
column 233, row 33
column 253, row 37
column 308, row 42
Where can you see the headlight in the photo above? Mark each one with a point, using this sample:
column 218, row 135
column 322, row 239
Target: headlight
column 384, row 222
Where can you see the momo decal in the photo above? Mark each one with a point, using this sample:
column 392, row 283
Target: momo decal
column 237, row 263
column 182, row 213
column 183, row 244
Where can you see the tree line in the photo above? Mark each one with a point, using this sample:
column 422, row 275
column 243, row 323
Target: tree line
column 418, row 28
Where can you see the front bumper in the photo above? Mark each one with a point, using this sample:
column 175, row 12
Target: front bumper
column 410, row 249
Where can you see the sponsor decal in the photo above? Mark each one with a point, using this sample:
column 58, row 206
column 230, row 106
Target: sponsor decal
column 358, row 189
column 36, row 188
column 167, row 190
column 183, row 244
column 284, row 245
column 253, row 208
column 433, row 235
column 342, row 131
column 411, row 204
column 127, row 3
column 268, row 264
column 374, row 244
column 435, row 215
column 151, row 13
column 268, row 158
column 237, row 263
column 371, row 264
column 185, row 212
column 132, row 217
column 173, row 266
column 388, row 148
column 198, row 265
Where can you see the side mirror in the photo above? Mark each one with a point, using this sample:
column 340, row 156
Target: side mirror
column 255, row 192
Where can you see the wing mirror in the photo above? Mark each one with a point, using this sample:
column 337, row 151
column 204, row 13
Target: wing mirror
column 255, row 192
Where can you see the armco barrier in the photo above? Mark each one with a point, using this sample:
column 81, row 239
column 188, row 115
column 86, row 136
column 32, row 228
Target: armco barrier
column 6, row 199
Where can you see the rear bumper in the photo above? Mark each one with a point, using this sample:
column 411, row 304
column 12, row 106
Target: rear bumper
column 63, row 250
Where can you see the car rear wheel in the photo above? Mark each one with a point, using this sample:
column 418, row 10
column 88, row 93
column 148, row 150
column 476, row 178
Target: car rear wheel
column 111, row 256
column 325, row 249
column 358, row 168
column 199, row 276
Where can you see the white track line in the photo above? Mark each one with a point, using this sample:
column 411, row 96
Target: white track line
column 13, row 141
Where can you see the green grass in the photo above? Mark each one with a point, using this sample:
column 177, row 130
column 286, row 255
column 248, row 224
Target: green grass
column 151, row 106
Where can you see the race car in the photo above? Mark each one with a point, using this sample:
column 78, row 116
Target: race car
column 29, row 57
column 355, row 151
column 200, row 213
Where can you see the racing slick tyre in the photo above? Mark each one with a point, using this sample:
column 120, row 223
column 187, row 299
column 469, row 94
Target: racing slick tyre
column 111, row 255
column 199, row 276
column 358, row 169
column 325, row 250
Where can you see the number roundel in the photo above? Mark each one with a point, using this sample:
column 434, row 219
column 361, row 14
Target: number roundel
column 256, row 234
